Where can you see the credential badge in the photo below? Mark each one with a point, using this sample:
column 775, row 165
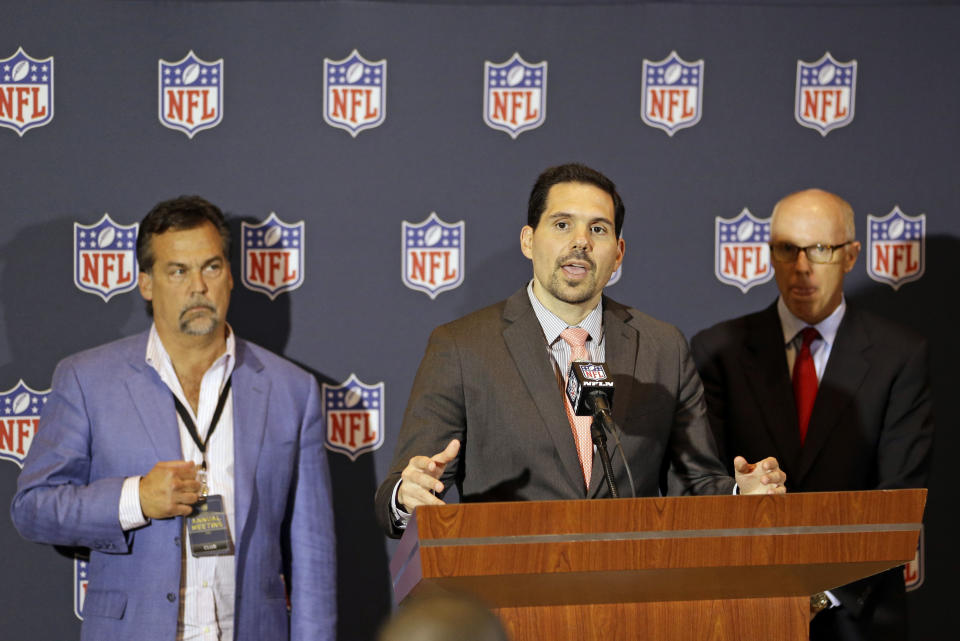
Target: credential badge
column 353, row 413
column 26, row 92
column 105, row 257
column 20, row 409
column 514, row 95
column 354, row 93
column 896, row 246
column 433, row 255
column 742, row 250
column 672, row 93
column 826, row 93
column 273, row 253
column 191, row 94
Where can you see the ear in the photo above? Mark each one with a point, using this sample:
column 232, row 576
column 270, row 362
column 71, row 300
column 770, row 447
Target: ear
column 621, row 247
column 526, row 241
column 850, row 257
column 145, row 283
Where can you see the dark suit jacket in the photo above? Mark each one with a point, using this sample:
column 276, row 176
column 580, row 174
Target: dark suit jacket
column 871, row 428
column 488, row 380
column 110, row 416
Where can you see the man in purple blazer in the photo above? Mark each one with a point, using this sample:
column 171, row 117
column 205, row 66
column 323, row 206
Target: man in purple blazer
column 187, row 419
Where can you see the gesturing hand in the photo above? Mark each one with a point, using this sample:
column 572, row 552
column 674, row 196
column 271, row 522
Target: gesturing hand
column 419, row 478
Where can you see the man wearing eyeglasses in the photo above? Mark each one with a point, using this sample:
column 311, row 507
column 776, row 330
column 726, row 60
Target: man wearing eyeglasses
column 839, row 396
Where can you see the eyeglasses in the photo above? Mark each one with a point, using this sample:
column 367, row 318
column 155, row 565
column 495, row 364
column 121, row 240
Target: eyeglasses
column 819, row 253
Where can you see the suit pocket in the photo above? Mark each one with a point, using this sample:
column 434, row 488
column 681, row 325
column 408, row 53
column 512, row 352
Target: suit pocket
column 274, row 619
column 105, row 603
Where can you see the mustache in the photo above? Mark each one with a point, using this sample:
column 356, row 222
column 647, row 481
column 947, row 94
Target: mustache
column 203, row 303
column 576, row 255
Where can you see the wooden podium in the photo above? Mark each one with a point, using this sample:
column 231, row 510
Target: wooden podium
column 678, row 569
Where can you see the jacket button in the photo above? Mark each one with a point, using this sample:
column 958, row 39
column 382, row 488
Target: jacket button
column 176, row 541
column 171, row 597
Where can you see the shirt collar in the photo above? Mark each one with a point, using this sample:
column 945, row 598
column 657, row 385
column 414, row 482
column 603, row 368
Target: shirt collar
column 552, row 324
column 827, row 327
column 158, row 358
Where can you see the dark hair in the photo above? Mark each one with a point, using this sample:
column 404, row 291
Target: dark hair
column 185, row 212
column 571, row 173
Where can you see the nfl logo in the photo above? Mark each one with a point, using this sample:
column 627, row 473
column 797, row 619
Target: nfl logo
column 79, row 583
column 433, row 255
column 514, row 95
column 895, row 247
column 592, row 371
column 615, row 276
column 191, row 94
column 913, row 571
column 826, row 92
column 672, row 93
column 354, row 93
column 26, row 92
column 272, row 256
column 20, row 409
column 353, row 414
column 742, row 250
column 105, row 257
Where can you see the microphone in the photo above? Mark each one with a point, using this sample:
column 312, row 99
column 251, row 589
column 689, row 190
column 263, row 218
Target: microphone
column 590, row 391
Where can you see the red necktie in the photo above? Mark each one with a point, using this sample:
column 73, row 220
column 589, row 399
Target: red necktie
column 576, row 338
column 805, row 380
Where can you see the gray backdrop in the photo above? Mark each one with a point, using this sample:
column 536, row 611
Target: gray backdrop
column 105, row 151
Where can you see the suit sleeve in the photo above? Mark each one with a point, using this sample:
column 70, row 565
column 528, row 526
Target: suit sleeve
column 695, row 466
column 56, row 501
column 435, row 414
column 906, row 438
column 713, row 392
column 313, row 602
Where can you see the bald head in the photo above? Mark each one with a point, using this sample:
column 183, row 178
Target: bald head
column 818, row 200
column 443, row 617
column 812, row 290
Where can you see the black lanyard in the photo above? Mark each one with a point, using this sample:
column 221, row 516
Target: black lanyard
column 192, row 428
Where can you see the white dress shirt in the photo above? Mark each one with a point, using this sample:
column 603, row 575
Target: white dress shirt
column 207, row 584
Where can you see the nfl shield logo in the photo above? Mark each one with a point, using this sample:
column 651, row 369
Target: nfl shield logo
column 354, row 93
column 592, row 371
column 79, row 583
column 514, row 95
column 105, row 257
column 20, row 409
column 433, row 255
column 615, row 276
column 895, row 247
column 742, row 250
column 272, row 256
column 826, row 92
column 353, row 413
column 913, row 571
column 191, row 94
column 672, row 93
column 26, row 92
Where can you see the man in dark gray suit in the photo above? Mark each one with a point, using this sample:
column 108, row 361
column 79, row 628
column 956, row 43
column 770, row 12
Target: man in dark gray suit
column 488, row 395
column 862, row 421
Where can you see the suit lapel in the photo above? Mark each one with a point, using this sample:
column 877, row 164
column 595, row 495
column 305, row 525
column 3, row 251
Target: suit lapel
column 251, row 392
column 523, row 336
column 765, row 356
column 620, row 353
column 154, row 403
column 845, row 371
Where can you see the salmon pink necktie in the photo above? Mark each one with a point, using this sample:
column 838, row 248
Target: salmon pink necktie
column 576, row 338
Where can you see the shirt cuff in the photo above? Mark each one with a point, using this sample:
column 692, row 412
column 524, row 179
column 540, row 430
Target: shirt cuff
column 400, row 518
column 834, row 601
column 131, row 514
